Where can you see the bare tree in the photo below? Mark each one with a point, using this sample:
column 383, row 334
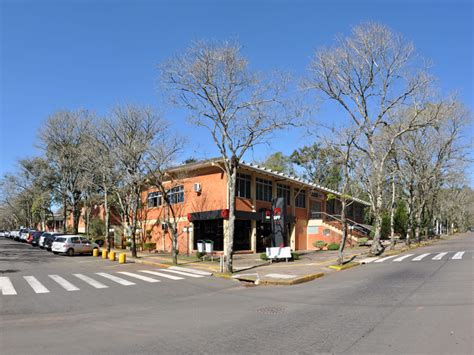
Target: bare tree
column 63, row 138
column 133, row 133
column 162, row 157
column 238, row 107
column 373, row 75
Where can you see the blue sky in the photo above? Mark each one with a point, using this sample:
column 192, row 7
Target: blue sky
column 73, row 54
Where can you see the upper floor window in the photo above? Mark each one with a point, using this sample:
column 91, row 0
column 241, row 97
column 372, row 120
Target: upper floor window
column 243, row 186
column 176, row 194
column 300, row 200
column 264, row 190
column 154, row 199
column 284, row 191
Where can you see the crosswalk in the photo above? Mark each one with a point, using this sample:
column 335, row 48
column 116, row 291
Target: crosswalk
column 438, row 256
column 98, row 280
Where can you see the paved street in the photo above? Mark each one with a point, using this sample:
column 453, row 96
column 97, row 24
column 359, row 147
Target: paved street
column 418, row 302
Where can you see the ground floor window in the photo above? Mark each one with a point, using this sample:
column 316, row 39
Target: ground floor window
column 211, row 229
column 242, row 234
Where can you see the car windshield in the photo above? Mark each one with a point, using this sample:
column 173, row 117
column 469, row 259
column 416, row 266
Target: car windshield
column 60, row 240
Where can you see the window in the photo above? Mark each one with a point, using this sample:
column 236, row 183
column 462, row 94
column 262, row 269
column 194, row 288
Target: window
column 264, row 190
column 75, row 240
column 154, row 199
column 85, row 241
column 60, row 240
column 176, row 195
column 243, row 186
column 300, row 200
column 284, row 191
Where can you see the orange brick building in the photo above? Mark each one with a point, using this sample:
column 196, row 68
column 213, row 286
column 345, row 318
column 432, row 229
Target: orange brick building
column 199, row 194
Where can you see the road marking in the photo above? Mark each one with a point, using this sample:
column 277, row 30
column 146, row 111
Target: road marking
column 439, row 256
column 192, row 271
column 91, row 281
column 137, row 276
column 181, row 273
column 421, row 257
column 37, row 286
column 383, row 259
column 64, row 283
column 171, row 277
column 403, row 257
column 6, row 286
column 116, row 279
column 368, row 260
column 458, row 255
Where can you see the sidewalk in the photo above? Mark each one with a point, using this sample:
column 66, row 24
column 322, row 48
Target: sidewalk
column 250, row 268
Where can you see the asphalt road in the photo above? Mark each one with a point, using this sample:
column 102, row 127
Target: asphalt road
column 408, row 306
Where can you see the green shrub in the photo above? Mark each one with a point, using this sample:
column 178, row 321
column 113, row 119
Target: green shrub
column 319, row 244
column 263, row 256
column 149, row 246
column 333, row 246
column 199, row 255
column 362, row 241
column 295, row 256
column 96, row 227
column 128, row 244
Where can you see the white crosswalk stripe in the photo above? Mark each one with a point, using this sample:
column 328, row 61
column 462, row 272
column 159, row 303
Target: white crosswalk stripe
column 420, row 257
column 37, row 286
column 182, row 273
column 403, row 257
column 116, row 279
column 64, row 283
column 91, row 281
column 368, row 260
column 383, row 259
column 166, row 276
column 6, row 286
column 458, row 255
column 140, row 277
column 439, row 256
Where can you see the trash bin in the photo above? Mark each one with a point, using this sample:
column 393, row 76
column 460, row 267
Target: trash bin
column 209, row 246
column 200, row 245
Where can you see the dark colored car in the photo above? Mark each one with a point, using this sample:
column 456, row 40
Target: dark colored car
column 34, row 237
column 49, row 240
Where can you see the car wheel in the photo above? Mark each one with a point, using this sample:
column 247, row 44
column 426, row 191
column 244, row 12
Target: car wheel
column 70, row 252
column 55, row 252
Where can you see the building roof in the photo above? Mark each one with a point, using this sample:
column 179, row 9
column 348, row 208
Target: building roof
column 263, row 170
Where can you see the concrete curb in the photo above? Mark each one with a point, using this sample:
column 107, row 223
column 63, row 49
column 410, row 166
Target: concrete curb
column 295, row 281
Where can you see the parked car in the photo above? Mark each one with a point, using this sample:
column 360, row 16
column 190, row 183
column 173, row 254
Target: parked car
column 35, row 236
column 49, row 240
column 24, row 234
column 15, row 235
column 44, row 238
column 7, row 234
column 73, row 244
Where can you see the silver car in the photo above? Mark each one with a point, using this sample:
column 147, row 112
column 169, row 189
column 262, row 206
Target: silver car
column 73, row 244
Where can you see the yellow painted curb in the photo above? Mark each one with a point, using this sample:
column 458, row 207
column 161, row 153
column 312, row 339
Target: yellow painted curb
column 222, row 275
column 151, row 263
column 344, row 267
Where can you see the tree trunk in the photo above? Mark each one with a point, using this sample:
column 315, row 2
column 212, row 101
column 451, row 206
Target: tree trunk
column 174, row 252
column 340, row 259
column 376, row 248
column 229, row 248
column 108, row 238
column 392, row 216
column 64, row 214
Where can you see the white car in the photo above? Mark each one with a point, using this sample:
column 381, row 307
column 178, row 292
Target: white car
column 43, row 236
column 2, row 234
column 15, row 235
column 73, row 244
